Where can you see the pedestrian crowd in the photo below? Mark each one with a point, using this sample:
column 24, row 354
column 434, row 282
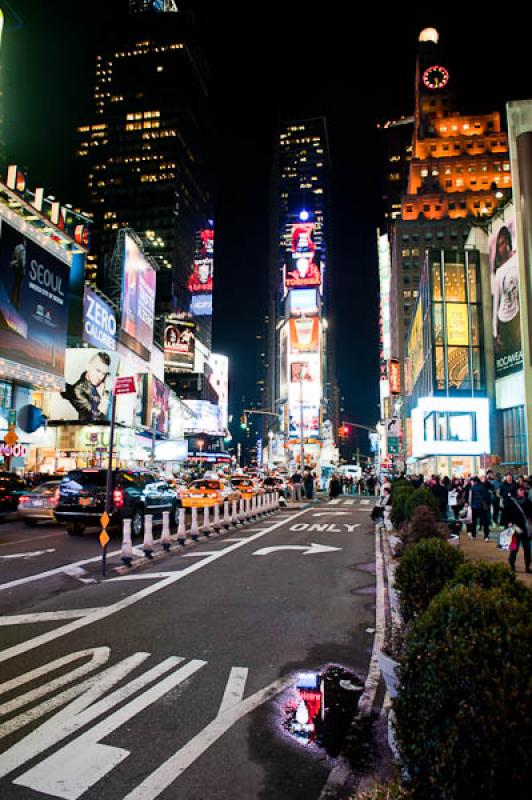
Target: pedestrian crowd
column 493, row 501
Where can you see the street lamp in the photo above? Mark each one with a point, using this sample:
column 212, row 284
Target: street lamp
column 154, row 417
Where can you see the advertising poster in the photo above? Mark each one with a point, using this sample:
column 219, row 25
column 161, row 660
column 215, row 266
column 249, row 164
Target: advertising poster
column 34, row 300
column 504, row 279
column 156, row 403
column 306, row 371
column 89, row 375
column 179, row 343
column 394, row 376
column 457, row 324
column 303, row 301
column 304, row 268
column 138, row 298
column 99, row 321
column 219, row 380
column 207, row 417
column 200, row 281
column 304, row 335
column 415, row 345
column 311, row 420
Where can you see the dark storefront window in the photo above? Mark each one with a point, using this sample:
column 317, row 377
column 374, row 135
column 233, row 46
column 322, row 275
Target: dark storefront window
column 514, row 438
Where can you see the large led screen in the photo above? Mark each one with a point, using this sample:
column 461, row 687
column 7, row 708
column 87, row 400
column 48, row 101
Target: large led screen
column 34, row 299
column 99, row 321
column 506, row 316
column 304, row 335
column 304, row 269
column 138, row 299
column 179, row 343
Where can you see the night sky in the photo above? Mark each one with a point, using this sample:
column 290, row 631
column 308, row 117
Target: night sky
column 269, row 62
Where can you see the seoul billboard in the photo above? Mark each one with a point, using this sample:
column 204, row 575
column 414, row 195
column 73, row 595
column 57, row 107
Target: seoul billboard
column 506, row 315
column 99, row 321
column 34, row 300
column 179, row 343
column 138, row 299
column 90, row 375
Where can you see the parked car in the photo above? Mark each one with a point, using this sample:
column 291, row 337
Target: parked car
column 38, row 505
column 135, row 493
column 11, row 488
column 204, row 492
column 247, row 487
column 276, row 484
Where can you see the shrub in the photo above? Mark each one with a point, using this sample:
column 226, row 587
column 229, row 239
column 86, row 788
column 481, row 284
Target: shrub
column 463, row 719
column 423, row 525
column 399, row 500
column 492, row 576
column 421, row 497
column 423, row 571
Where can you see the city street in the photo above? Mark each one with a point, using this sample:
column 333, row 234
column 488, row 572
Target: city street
column 171, row 681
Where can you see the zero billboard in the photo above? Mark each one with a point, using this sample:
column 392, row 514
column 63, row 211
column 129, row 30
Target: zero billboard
column 506, row 316
column 34, row 300
column 179, row 343
column 99, row 321
column 90, row 375
column 138, row 299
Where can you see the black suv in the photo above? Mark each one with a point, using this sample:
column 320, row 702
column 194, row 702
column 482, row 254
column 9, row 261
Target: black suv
column 11, row 488
column 135, row 493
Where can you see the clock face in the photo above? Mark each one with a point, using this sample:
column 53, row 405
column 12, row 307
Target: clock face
column 435, row 77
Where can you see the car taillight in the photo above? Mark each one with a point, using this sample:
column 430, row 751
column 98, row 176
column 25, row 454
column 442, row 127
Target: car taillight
column 118, row 498
column 23, row 499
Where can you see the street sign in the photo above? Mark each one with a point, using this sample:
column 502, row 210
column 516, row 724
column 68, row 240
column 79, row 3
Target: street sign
column 104, row 519
column 11, row 437
column 104, row 538
column 393, row 444
column 125, row 385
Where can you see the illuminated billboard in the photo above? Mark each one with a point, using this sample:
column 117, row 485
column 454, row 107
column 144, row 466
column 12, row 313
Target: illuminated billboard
column 304, row 269
column 506, row 316
column 138, row 299
column 155, row 407
column 34, row 301
column 304, row 335
column 89, row 375
column 457, row 324
column 207, row 417
column 219, row 380
column 201, row 305
column 99, row 321
column 179, row 343
column 415, row 346
column 302, row 301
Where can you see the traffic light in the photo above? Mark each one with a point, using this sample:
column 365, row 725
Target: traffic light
column 343, row 431
column 244, row 422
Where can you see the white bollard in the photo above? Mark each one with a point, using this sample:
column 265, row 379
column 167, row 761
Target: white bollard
column 148, row 536
column 181, row 530
column 127, row 547
column 247, row 512
column 194, row 530
column 269, row 503
column 165, row 540
column 261, row 506
column 234, row 515
column 276, row 501
column 206, row 527
column 227, row 519
column 241, row 515
column 216, row 523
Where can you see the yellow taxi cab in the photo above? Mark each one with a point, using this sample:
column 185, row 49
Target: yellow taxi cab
column 247, row 487
column 208, row 492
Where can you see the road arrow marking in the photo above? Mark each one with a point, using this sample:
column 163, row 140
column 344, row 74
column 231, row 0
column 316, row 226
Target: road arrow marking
column 336, row 513
column 308, row 550
column 30, row 554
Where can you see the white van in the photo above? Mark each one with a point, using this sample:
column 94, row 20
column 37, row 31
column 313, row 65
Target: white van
column 350, row 471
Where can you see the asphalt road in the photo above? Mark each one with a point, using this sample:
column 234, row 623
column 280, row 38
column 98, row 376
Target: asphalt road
column 172, row 681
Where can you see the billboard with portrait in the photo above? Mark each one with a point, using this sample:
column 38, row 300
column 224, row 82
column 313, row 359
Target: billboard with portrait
column 303, row 269
column 34, row 301
column 504, row 280
column 138, row 299
column 179, row 343
column 99, row 321
column 89, row 376
column 156, row 403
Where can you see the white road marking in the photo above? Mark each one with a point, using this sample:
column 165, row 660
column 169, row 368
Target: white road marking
column 100, row 655
column 46, row 616
column 156, row 783
column 334, row 502
column 38, row 538
column 349, row 502
column 200, row 554
column 57, row 571
column 336, row 513
column 30, row 553
column 72, row 770
column 143, row 576
column 234, row 689
column 364, row 502
column 126, row 602
column 309, row 550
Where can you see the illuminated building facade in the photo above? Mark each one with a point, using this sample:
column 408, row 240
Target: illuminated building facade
column 301, row 377
column 146, row 148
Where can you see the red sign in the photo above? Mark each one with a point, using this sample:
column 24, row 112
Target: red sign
column 17, row 450
column 125, row 385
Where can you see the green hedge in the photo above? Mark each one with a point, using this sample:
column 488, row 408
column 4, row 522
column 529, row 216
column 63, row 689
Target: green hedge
column 423, row 571
column 421, row 497
column 463, row 720
column 491, row 576
column 400, row 497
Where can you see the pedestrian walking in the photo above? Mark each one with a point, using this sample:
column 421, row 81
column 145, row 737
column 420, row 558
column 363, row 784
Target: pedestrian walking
column 518, row 512
column 479, row 500
column 297, row 487
column 335, row 487
column 308, row 485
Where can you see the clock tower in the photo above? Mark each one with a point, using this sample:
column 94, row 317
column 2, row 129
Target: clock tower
column 434, row 96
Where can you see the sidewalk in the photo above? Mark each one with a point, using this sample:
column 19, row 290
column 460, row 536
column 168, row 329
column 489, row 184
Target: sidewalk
column 479, row 550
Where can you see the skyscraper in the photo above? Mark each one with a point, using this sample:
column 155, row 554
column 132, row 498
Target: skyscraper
column 301, row 378
column 146, row 149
